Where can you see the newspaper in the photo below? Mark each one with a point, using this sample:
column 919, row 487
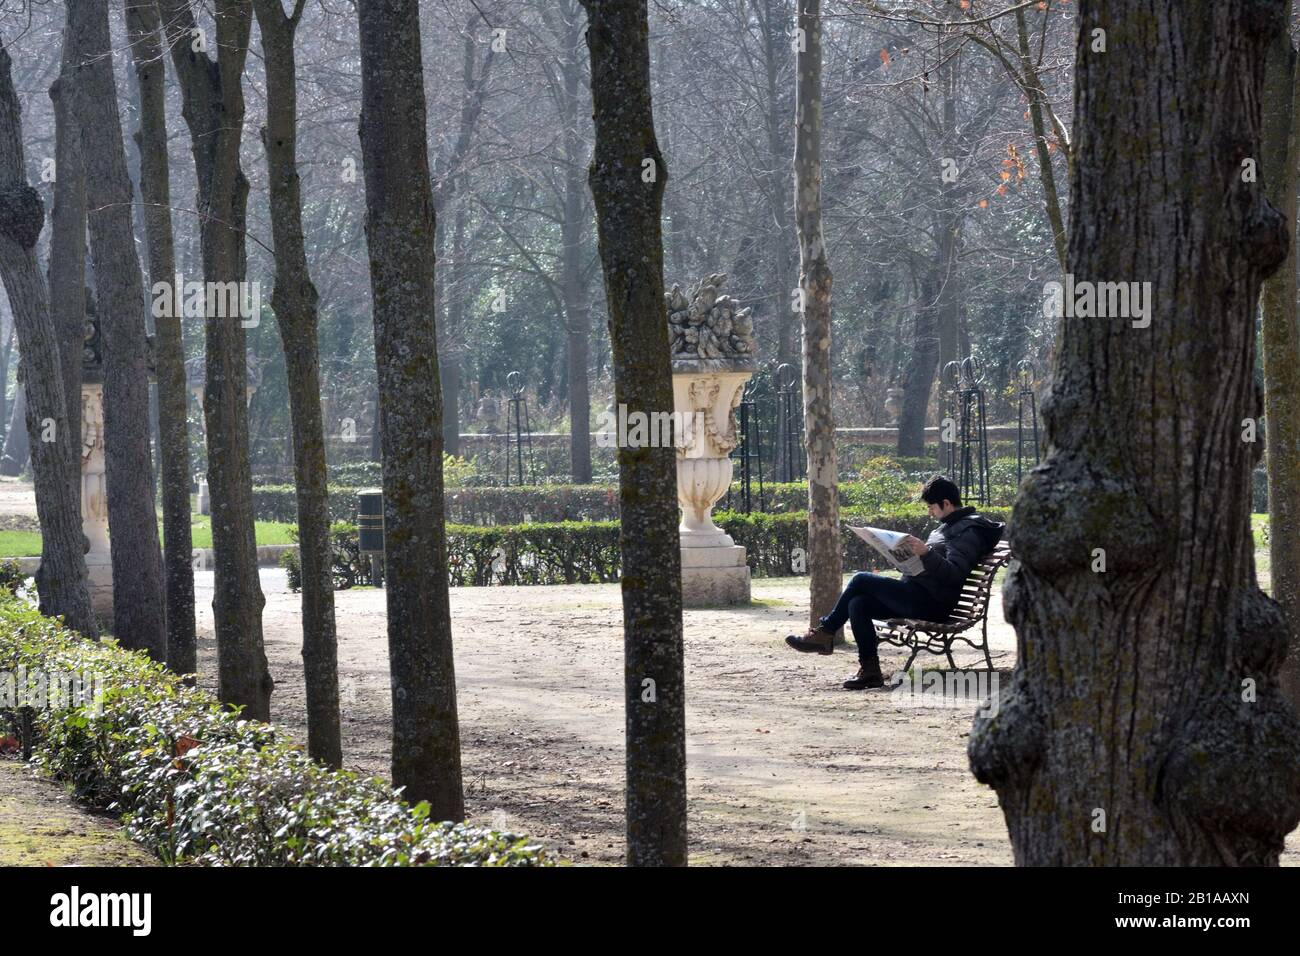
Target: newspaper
column 892, row 549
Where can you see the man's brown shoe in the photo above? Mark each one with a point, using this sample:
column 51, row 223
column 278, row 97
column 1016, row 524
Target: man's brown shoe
column 815, row 641
column 865, row 679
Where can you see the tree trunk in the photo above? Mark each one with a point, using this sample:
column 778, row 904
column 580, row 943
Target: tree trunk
column 138, row 591
column 628, row 225
column 1144, row 724
column 399, row 233
column 1280, row 349
column 294, row 301
column 780, row 225
column 573, row 232
column 919, row 373
column 1037, row 107
column 214, row 111
column 143, row 27
column 825, row 562
column 61, row 580
column 455, row 293
column 68, row 259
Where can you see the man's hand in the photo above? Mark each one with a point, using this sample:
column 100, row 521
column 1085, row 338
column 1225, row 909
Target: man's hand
column 916, row 545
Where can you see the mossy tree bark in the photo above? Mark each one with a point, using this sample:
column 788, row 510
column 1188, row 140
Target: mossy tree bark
column 139, row 615
column 67, row 268
column 627, row 178
column 294, row 301
column 1145, row 723
column 825, row 553
column 143, row 31
column 1280, row 349
column 400, row 236
column 61, row 582
column 213, row 107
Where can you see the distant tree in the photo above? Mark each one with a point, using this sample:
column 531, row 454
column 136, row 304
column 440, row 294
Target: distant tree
column 627, row 179
column 400, row 237
column 1144, row 723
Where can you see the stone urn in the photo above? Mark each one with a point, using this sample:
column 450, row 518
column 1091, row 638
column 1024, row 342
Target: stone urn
column 713, row 356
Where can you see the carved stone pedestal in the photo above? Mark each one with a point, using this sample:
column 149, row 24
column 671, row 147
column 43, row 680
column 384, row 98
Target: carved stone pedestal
column 94, row 499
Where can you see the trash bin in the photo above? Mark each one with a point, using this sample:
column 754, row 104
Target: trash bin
column 370, row 529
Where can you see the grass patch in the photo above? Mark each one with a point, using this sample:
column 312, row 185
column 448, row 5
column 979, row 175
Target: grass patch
column 19, row 544
column 268, row 532
column 27, row 544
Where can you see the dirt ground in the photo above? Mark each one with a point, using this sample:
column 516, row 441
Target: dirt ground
column 784, row 766
column 40, row 825
column 17, row 505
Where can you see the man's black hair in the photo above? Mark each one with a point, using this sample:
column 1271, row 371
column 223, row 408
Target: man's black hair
column 939, row 489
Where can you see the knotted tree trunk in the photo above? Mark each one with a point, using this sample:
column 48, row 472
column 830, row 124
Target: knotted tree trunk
column 627, row 178
column 1145, row 724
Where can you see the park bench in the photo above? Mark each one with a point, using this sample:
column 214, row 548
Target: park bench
column 972, row 609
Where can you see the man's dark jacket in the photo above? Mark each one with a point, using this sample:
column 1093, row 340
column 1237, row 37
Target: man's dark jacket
column 962, row 540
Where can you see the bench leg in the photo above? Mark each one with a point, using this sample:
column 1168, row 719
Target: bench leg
column 916, row 649
column 987, row 660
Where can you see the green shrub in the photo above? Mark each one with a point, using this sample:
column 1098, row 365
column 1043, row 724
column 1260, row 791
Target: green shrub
column 11, row 577
column 292, row 570
column 198, row 785
column 348, row 566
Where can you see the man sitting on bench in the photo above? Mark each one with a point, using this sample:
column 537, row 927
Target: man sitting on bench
column 961, row 541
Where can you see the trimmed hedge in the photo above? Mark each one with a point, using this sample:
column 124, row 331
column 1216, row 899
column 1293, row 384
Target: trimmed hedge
column 280, row 502
column 586, row 552
column 771, row 541
column 529, row 503
column 198, row 785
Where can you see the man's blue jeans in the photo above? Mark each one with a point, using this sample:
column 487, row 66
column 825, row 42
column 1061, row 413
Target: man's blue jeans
column 871, row 597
